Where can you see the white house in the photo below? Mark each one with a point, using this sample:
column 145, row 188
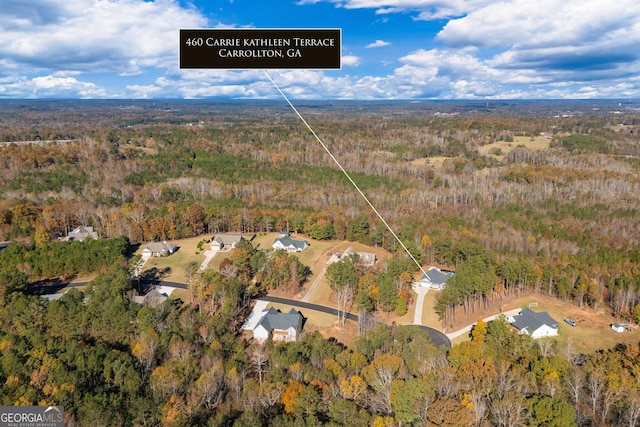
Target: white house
column 434, row 278
column 537, row 325
column 618, row 327
column 289, row 244
column 279, row 326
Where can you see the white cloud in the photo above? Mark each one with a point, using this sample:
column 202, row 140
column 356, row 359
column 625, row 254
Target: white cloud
column 92, row 35
column 350, row 61
column 529, row 24
column 506, row 49
column 425, row 9
column 56, row 85
column 378, row 43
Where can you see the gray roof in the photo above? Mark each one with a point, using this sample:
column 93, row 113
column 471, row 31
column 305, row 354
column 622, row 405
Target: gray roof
column 288, row 241
column 153, row 298
column 435, row 276
column 161, row 247
column 530, row 320
column 82, row 233
column 275, row 319
column 227, row 239
column 366, row 258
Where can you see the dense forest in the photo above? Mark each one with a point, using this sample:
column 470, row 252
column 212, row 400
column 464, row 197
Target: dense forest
column 562, row 220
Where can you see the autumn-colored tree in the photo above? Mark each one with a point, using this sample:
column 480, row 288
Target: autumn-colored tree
column 290, row 395
column 144, row 348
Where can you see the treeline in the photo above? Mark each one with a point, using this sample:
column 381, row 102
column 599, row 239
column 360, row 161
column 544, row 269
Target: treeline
column 610, row 276
column 113, row 363
column 21, row 264
column 561, row 220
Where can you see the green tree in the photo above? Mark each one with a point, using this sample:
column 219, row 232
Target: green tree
column 12, row 280
column 546, row 411
column 343, row 280
column 411, row 399
column 322, row 232
column 358, row 229
column 387, row 293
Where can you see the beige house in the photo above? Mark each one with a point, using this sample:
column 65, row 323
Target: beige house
column 159, row 249
column 225, row 241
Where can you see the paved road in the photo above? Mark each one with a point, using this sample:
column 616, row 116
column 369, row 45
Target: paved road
column 308, row 306
column 422, row 293
column 437, row 337
column 467, row 328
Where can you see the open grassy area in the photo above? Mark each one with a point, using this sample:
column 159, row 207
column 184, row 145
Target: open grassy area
column 429, row 316
column 175, row 265
column 538, row 142
column 593, row 331
column 324, row 323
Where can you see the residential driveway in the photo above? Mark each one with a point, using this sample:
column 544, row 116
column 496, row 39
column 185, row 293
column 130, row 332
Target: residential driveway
column 467, row 329
column 143, row 260
column 422, row 293
column 255, row 316
column 208, row 256
column 317, row 280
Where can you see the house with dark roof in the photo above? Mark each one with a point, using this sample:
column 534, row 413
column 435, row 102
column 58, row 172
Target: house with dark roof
column 290, row 245
column 225, row 241
column 81, row 233
column 278, row 326
column 537, row 325
column 435, row 278
column 160, row 249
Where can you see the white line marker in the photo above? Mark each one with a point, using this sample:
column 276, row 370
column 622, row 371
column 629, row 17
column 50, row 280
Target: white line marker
column 345, row 172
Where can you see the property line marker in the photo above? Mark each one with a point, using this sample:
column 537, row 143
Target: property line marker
column 344, row 172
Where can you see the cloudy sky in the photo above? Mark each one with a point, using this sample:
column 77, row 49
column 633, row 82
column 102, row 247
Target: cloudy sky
column 392, row 49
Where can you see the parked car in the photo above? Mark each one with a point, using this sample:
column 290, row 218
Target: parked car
column 571, row 322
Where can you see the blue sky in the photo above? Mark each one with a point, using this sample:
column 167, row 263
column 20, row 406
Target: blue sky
column 392, row 49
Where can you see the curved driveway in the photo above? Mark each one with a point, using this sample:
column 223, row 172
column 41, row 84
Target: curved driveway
column 437, row 337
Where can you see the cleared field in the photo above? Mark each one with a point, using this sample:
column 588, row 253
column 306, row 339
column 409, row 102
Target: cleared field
column 592, row 333
column 539, row 142
column 533, row 143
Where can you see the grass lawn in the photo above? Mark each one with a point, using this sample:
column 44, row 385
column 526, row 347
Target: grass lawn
column 593, row 331
column 175, row 265
column 324, row 323
column 183, row 294
column 429, row 316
